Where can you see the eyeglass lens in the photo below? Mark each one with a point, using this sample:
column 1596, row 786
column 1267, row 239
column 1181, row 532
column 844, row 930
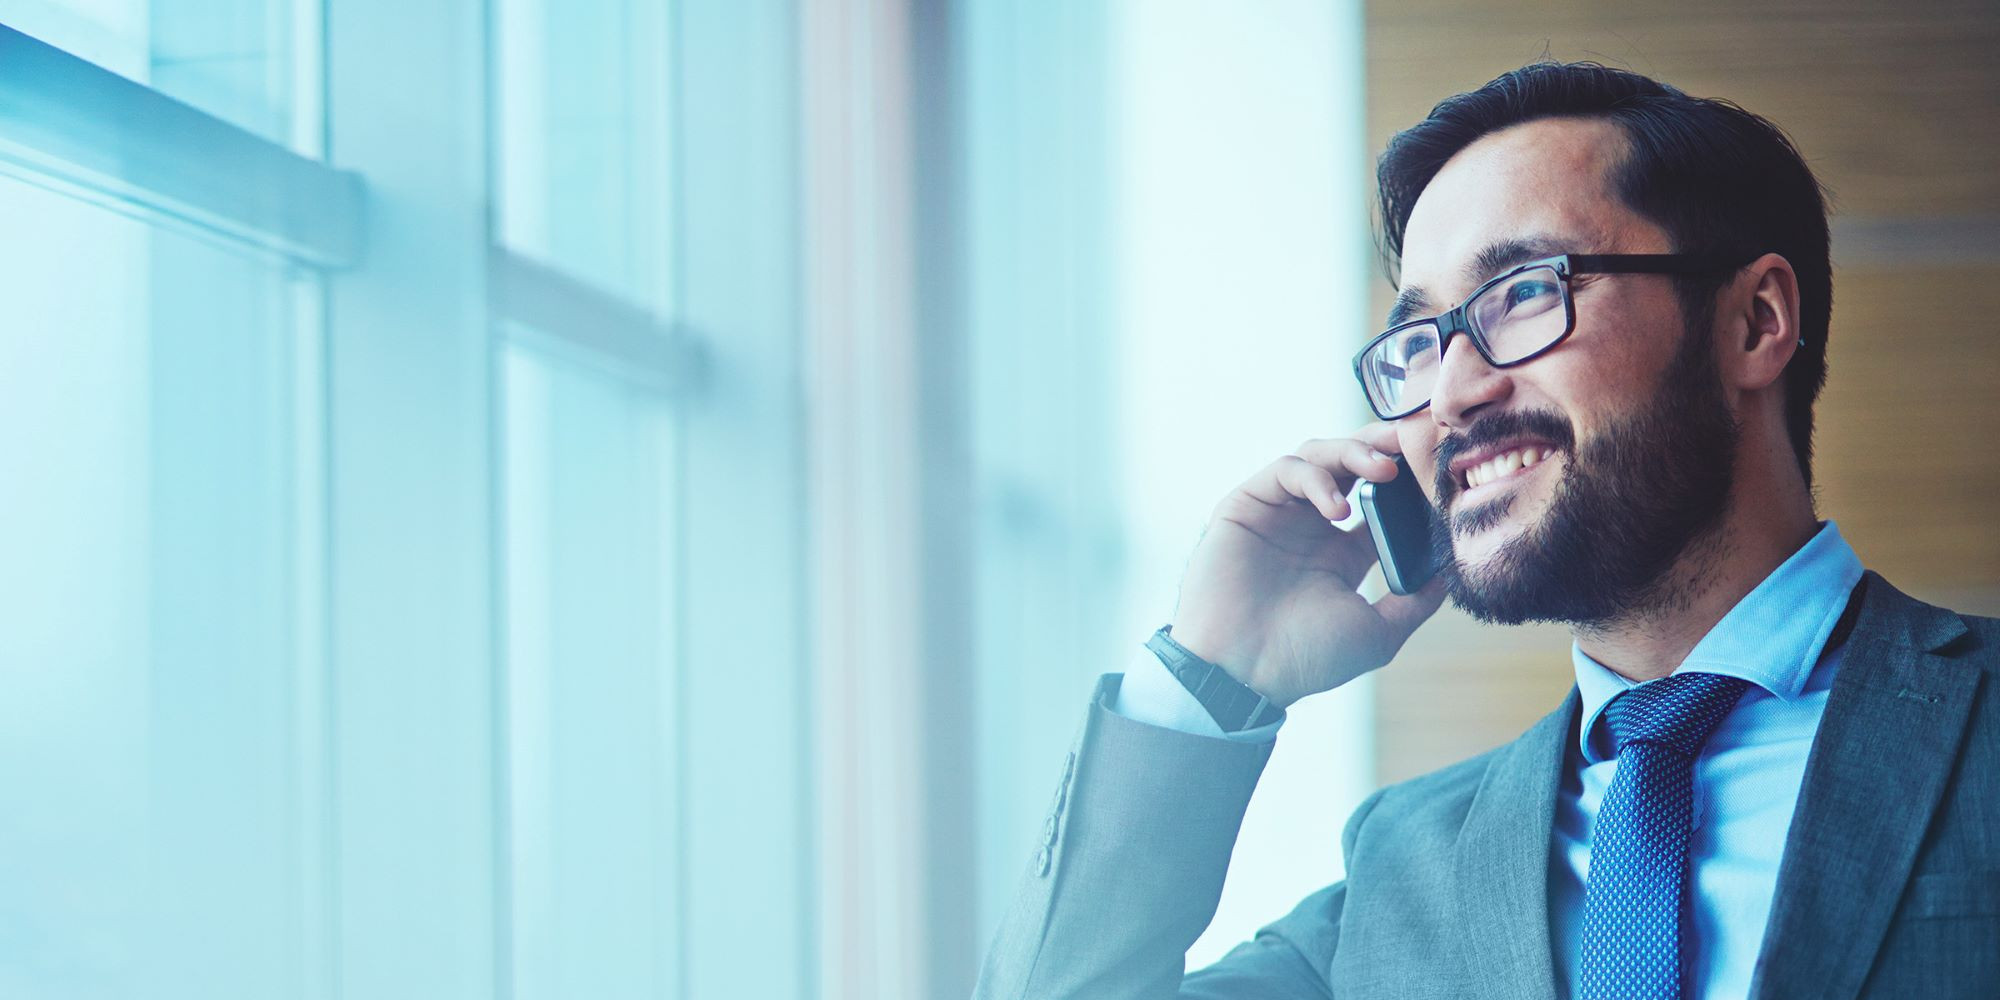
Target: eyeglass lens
column 1509, row 321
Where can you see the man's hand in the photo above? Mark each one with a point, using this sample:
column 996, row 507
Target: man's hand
column 1269, row 594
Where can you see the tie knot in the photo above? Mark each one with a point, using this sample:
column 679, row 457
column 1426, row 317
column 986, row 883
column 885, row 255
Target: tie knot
column 1678, row 711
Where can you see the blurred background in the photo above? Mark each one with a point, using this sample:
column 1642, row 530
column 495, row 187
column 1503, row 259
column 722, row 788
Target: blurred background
column 627, row 498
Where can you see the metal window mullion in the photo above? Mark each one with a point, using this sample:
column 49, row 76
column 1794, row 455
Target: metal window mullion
column 70, row 124
column 535, row 300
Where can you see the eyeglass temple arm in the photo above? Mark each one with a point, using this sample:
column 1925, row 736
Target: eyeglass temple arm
column 1653, row 263
column 1649, row 263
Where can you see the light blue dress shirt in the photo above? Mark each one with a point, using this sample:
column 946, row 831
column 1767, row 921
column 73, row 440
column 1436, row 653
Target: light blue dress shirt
column 1746, row 782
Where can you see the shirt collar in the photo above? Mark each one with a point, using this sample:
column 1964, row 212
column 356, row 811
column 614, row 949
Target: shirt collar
column 1771, row 638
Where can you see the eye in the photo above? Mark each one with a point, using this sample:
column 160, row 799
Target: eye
column 1522, row 293
column 1417, row 347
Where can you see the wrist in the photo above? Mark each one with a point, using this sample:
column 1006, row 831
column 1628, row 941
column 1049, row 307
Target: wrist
column 1239, row 664
column 1233, row 705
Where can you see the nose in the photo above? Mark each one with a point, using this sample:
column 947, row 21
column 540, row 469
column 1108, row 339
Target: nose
column 1465, row 385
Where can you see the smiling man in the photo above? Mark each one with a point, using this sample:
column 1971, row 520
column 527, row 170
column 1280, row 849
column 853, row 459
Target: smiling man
column 1776, row 775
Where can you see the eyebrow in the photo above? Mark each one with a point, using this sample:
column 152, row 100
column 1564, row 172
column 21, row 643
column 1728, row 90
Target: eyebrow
column 1491, row 259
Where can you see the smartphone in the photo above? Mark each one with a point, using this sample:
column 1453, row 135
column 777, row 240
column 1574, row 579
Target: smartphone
column 1399, row 519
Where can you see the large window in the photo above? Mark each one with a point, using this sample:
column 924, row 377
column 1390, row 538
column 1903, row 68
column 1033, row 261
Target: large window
column 382, row 605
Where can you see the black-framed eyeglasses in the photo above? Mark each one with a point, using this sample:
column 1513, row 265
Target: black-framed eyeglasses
column 1512, row 319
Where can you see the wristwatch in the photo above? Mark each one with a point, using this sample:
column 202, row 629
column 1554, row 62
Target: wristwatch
column 1229, row 701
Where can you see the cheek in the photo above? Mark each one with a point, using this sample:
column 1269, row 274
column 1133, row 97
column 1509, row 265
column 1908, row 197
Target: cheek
column 1589, row 384
column 1417, row 437
column 1626, row 344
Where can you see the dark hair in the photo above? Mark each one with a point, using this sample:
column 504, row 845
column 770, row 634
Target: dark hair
column 1715, row 177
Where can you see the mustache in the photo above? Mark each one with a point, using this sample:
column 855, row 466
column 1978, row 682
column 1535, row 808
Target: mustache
column 1545, row 424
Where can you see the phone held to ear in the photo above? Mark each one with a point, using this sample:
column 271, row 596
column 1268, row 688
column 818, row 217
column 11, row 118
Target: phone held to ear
column 1399, row 519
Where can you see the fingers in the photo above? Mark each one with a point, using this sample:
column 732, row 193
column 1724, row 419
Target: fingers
column 1381, row 436
column 1292, row 477
column 1348, row 459
column 1322, row 470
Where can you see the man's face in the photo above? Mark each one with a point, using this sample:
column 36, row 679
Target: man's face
column 1570, row 484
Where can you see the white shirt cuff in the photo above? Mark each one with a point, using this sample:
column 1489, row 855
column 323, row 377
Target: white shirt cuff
column 1150, row 694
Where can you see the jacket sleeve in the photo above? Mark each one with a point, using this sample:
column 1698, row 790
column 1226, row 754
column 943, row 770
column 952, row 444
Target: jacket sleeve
column 1128, row 870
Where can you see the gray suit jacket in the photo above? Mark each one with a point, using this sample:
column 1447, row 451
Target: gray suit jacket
column 1889, row 884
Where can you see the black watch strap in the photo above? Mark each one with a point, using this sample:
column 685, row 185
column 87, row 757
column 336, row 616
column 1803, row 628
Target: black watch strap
column 1229, row 701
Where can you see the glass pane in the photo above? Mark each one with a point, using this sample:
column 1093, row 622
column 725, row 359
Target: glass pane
column 592, row 687
column 1522, row 314
column 254, row 63
column 1402, row 368
column 585, row 173
column 158, row 713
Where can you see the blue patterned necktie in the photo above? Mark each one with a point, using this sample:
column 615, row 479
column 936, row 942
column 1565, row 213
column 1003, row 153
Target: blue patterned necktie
column 1634, row 897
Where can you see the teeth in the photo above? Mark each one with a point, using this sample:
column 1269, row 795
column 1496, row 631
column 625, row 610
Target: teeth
column 1501, row 465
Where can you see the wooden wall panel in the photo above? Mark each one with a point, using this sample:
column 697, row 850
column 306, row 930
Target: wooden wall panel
column 1897, row 107
column 1909, row 425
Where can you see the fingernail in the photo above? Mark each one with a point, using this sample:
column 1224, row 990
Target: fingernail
column 1378, row 455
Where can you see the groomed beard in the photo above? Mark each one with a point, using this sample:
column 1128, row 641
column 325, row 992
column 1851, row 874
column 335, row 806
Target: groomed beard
column 1632, row 501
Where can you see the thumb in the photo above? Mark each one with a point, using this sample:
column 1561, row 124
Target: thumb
column 1404, row 612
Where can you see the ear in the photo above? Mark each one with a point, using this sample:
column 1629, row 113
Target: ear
column 1760, row 330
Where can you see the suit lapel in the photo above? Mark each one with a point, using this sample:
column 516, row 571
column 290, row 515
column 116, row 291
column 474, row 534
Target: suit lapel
column 1878, row 765
column 1503, row 862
